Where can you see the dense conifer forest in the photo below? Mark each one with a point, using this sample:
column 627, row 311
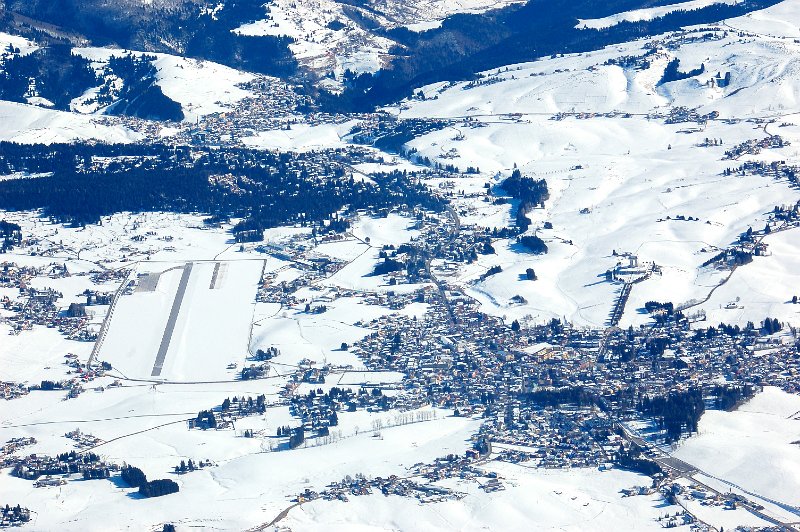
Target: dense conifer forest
column 266, row 189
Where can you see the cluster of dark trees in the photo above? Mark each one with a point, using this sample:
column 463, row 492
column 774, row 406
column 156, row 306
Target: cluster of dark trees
column 771, row 325
column 672, row 72
column 254, row 371
column 58, row 74
column 675, row 413
column 296, row 436
column 158, row 488
column 11, row 235
column 731, row 330
column 494, row 270
column 530, row 192
column 736, row 257
column 84, row 458
column 277, row 188
column 205, row 419
column 388, row 265
column 534, row 244
column 14, row 515
column 728, row 397
column 96, row 473
column 140, row 96
column 245, row 406
column 633, row 460
column 283, row 430
column 186, row 466
column 135, row 478
column 47, row 385
column 269, row 354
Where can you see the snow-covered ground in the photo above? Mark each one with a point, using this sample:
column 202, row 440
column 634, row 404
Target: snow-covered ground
column 326, row 39
column 574, row 500
column 211, row 321
column 20, row 45
column 329, row 38
column 144, row 423
column 632, row 176
column 201, row 87
column 618, row 180
column 301, row 137
column 754, row 447
column 636, row 177
column 649, row 13
column 28, row 124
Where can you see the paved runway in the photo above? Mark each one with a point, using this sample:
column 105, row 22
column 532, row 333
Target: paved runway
column 173, row 318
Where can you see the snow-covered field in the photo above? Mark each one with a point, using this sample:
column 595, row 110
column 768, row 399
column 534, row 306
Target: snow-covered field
column 142, row 423
column 25, row 46
column 755, row 446
column 28, row 124
column 621, row 180
column 574, row 500
column 210, row 317
column 300, row 138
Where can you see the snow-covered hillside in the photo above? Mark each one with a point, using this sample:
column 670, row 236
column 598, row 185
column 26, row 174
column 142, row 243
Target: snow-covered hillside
column 649, row 13
column 625, row 171
column 335, row 37
column 756, row 446
column 326, row 38
column 200, row 87
column 440, row 372
column 11, row 45
column 28, row 124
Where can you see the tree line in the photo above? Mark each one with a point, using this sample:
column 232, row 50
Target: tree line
column 267, row 189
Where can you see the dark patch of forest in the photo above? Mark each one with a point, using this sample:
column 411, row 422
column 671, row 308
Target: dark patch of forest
column 265, row 189
column 58, row 74
column 676, row 413
column 531, row 193
column 141, row 96
column 183, row 28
